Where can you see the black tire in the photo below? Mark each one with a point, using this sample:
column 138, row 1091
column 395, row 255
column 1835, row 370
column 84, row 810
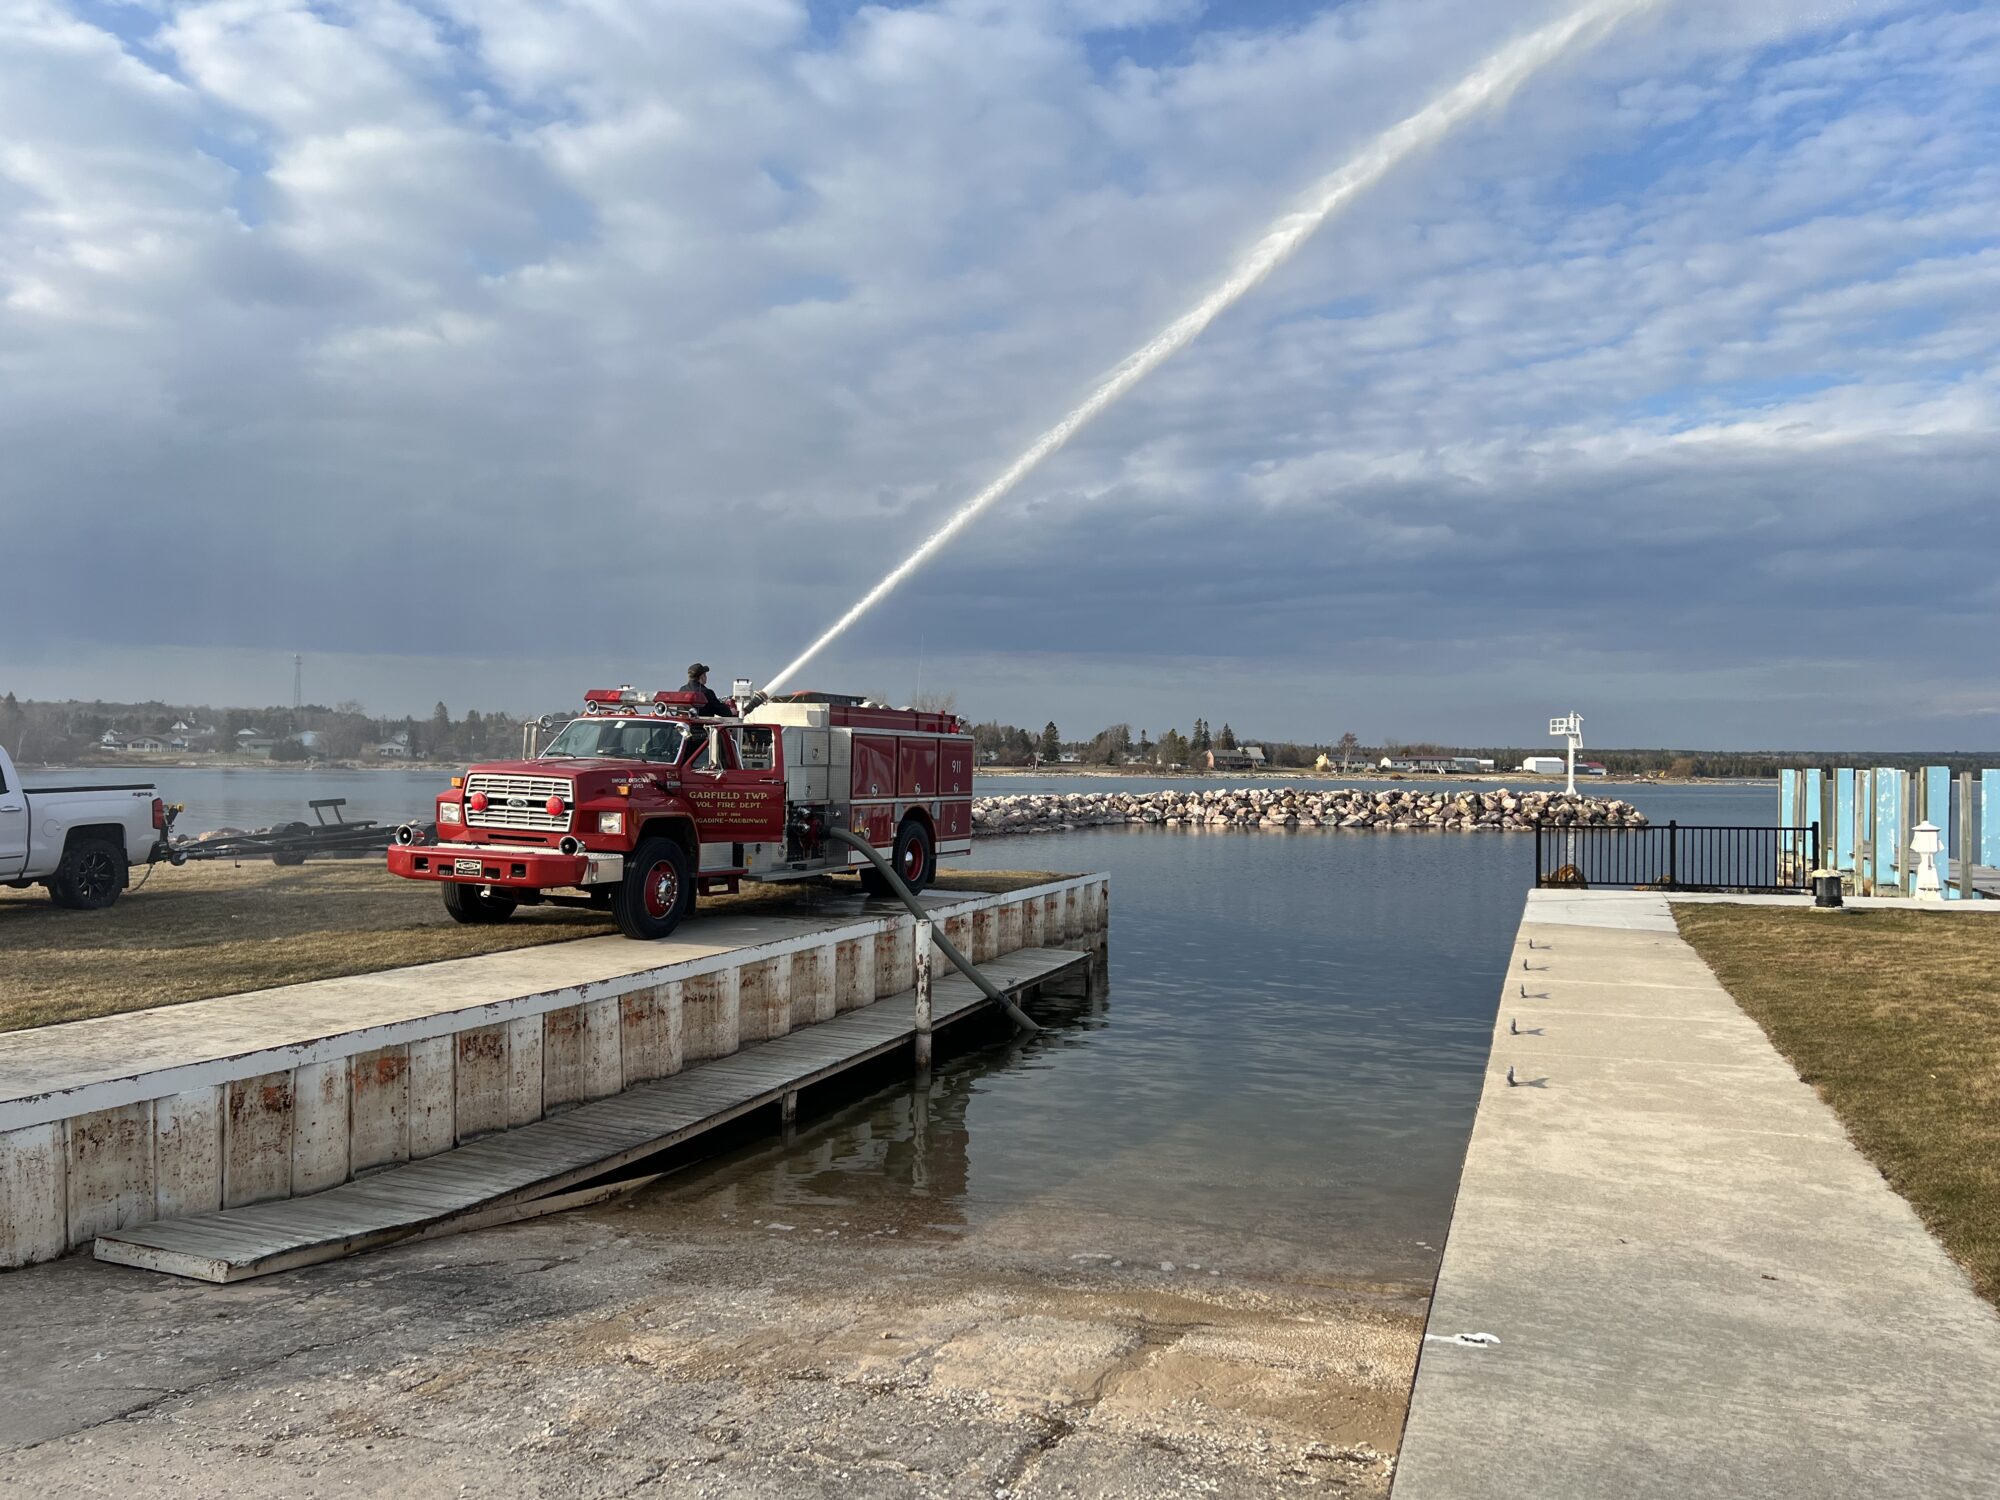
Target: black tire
column 290, row 857
column 91, row 875
column 913, row 858
column 656, row 892
column 472, row 906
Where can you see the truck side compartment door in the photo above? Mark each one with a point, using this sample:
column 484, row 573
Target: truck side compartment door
column 13, row 824
column 954, row 768
column 954, row 820
column 916, row 767
column 877, row 824
column 874, row 766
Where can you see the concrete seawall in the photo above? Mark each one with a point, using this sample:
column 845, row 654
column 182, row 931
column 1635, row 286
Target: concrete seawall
column 1669, row 1273
column 219, row 1103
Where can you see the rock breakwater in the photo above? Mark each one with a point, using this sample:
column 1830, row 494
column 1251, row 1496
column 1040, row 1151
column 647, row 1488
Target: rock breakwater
column 1301, row 807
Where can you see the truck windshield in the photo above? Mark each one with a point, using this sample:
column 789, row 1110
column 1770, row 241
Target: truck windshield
column 617, row 739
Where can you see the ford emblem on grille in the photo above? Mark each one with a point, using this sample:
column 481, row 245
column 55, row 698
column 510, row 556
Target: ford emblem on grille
column 517, row 801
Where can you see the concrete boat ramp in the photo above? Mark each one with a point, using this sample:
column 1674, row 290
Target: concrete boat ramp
column 1669, row 1273
column 231, row 1138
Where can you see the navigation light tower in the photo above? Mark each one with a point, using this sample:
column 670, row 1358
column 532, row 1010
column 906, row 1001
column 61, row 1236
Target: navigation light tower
column 1570, row 729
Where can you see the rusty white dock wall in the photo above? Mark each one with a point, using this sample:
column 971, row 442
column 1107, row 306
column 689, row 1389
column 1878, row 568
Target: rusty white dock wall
column 279, row 1121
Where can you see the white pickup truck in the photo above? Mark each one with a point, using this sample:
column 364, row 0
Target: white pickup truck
column 79, row 840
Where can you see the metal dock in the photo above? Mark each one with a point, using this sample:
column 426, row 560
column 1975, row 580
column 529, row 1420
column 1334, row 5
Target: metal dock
column 544, row 1166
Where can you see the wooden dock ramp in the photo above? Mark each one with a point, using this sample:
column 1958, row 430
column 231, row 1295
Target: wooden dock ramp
column 541, row 1167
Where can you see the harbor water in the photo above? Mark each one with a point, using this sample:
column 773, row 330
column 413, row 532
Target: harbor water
column 1280, row 1085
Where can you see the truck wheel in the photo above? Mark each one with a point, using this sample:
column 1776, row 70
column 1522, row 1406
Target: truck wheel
column 911, row 859
column 472, row 906
column 656, row 891
column 91, row 875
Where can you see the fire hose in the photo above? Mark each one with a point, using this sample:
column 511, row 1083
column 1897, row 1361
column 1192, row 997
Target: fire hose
column 950, row 949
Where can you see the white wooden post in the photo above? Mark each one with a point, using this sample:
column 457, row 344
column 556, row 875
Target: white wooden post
column 923, row 946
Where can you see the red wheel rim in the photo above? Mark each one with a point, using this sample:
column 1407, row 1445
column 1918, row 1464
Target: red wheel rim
column 663, row 890
column 915, row 857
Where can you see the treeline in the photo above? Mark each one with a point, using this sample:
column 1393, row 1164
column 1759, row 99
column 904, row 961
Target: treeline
column 58, row 733
column 1117, row 744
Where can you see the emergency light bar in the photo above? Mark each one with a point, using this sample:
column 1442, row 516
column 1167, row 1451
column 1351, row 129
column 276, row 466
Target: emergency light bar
column 609, row 700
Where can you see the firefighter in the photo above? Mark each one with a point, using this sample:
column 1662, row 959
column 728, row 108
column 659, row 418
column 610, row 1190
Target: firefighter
column 698, row 683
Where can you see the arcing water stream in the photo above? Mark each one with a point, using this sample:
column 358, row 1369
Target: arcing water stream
column 1490, row 83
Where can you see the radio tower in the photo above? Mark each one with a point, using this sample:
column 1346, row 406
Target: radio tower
column 298, row 682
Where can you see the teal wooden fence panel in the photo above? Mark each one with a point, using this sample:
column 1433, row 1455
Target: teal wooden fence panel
column 1888, row 824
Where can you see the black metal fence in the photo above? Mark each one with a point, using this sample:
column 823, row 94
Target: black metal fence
column 1677, row 857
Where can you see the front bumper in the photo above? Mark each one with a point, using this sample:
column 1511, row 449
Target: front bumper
column 503, row 865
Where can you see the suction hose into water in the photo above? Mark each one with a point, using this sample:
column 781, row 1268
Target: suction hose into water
column 950, row 949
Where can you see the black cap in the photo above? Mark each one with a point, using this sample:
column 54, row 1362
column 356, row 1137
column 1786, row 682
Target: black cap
column 696, row 669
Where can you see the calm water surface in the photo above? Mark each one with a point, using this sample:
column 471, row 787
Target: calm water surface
column 1280, row 1083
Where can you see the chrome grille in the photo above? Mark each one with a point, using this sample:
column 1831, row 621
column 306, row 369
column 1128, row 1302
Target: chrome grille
column 520, row 802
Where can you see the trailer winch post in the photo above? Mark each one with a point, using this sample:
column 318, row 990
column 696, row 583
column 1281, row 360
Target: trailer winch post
column 936, row 933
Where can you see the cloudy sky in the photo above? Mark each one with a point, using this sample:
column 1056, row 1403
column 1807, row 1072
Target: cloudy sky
column 489, row 349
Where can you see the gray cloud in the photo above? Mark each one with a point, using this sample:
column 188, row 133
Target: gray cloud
column 496, row 332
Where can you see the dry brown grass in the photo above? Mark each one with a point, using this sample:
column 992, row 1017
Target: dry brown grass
column 217, row 929
column 1894, row 1017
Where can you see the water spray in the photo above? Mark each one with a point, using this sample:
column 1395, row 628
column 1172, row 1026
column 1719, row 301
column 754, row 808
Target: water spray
column 1488, row 84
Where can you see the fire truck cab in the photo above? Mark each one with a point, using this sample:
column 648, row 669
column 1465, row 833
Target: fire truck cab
column 642, row 803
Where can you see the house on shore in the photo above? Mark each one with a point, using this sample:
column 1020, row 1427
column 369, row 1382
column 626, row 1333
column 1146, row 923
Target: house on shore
column 1242, row 758
column 1420, row 765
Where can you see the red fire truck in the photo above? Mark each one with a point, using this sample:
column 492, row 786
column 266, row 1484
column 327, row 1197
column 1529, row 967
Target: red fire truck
column 642, row 802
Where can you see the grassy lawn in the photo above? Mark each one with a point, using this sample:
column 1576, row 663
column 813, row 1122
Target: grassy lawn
column 218, row 929
column 1894, row 1017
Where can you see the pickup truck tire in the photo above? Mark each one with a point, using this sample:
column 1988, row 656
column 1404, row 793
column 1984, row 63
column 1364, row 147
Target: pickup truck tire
column 91, row 875
column 912, row 859
column 472, row 906
column 656, row 892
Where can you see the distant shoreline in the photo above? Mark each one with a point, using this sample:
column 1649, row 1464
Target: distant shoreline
column 1290, row 773
column 1362, row 773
